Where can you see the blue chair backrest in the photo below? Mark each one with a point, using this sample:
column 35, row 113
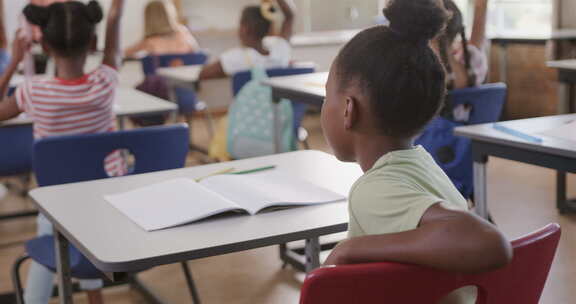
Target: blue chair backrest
column 76, row 158
column 16, row 151
column 185, row 97
column 152, row 62
column 452, row 153
column 240, row 79
column 487, row 101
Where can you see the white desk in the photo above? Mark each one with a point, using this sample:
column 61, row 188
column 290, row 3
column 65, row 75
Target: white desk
column 129, row 103
column 552, row 153
column 186, row 73
column 114, row 244
column 182, row 76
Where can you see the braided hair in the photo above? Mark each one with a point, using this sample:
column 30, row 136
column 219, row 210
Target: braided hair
column 67, row 28
column 454, row 28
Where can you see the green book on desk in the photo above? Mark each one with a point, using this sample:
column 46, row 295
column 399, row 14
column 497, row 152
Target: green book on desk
column 182, row 200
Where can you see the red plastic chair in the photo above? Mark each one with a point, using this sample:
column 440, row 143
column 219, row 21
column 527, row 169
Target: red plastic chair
column 521, row 282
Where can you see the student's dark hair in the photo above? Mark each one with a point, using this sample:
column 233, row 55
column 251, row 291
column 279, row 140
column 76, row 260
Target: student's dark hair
column 67, row 27
column 395, row 67
column 257, row 24
column 455, row 28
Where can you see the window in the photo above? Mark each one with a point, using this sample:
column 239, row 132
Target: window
column 520, row 17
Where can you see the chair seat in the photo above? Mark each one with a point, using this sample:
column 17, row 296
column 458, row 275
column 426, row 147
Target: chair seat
column 41, row 250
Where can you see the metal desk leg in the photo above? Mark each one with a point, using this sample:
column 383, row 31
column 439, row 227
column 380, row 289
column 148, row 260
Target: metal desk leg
column 312, row 254
column 63, row 266
column 563, row 98
column 571, row 98
column 503, row 62
column 277, row 127
column 561, row 197
column 480, row 190
column 121, row 123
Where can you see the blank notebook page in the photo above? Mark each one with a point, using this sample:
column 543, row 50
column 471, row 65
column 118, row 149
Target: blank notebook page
column 257, row 191
column 171, row 203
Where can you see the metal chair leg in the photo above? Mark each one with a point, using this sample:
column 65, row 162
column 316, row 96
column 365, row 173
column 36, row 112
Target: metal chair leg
column 209, row 119
column 190, row 283
column 17, row 280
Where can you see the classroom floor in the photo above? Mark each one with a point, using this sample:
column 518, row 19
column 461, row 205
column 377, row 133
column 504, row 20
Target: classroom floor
column 522, row 198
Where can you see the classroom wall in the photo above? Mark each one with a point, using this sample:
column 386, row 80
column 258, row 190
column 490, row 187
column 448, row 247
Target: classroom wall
column 324, row 14
column 568, row 10
column 132, row 23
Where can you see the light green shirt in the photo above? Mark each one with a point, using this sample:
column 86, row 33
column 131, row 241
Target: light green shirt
column 394, row 195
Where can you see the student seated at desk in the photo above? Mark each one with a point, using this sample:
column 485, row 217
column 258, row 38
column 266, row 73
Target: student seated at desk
column 72, row 102
column 163, row 33
column 258, row 49
column 385, row 85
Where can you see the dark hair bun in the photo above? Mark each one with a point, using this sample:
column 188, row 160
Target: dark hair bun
column 94, row 12
column 416, row 20
column 37, row 15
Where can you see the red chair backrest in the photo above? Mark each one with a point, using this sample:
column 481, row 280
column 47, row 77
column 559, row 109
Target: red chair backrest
column 521, row 282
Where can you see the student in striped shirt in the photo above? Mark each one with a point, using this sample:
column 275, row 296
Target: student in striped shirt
column 71, row 102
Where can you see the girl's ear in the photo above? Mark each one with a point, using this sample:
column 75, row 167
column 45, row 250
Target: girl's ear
column 350, row 113
column 94, row 43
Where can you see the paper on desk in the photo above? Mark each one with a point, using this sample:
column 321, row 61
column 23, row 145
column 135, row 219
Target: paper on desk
column 170, row 203
column 566, row 131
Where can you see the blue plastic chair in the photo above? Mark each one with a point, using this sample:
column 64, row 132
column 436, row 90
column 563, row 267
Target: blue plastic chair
column 452, row 153
column 151, row 63
column 16, row 156
column 242, row 78
column 67, row 159
column 185, row 97
column 16, row 161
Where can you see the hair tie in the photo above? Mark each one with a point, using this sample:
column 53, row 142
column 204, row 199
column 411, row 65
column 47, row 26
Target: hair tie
column 268, row 10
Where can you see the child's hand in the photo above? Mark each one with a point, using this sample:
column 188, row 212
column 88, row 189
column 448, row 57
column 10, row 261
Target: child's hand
column 20, row 46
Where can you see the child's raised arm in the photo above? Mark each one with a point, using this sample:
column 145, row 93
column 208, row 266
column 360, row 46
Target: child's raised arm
column 445, row 240
column 8, row 107
column 112, row 52
column 478, row 37
column 3, row 40
column 288, row 8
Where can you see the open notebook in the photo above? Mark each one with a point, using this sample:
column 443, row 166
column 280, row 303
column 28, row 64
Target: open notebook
column 180, row 201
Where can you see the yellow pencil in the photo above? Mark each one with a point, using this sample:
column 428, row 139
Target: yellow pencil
column 223, row 171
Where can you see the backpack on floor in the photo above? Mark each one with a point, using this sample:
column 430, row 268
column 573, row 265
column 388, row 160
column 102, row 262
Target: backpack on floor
column 251, row 121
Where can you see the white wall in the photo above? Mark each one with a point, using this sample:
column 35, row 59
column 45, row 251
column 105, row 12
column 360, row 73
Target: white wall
column 132, row 23
column 325, row 14
column 568, row 14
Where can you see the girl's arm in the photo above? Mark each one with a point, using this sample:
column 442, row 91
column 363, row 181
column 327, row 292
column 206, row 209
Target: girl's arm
column 135, row 49
column 212, row 71
column 112, row 53
column 288, row 8
column 445, row 239
column 3, row 39
column 478, row 37
column 8, row 107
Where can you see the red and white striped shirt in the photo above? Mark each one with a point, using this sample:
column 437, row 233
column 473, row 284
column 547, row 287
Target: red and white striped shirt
column 66, row 107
